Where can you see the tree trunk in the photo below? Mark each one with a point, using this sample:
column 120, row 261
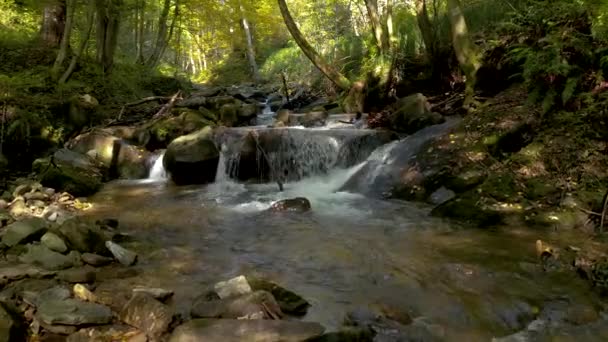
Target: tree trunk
column 374, row 18
column 108, row 20
column 141, row 20
column 83, row 44
column 161, row 37
column 466, row 51
column 53, row 23
column 250, row 47
column 65, row 39
column 327, row 69
column 426, row 30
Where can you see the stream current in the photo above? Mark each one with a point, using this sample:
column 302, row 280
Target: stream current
column 350, row 251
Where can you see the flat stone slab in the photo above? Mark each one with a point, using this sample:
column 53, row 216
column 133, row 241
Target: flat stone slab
column 232, row 330
column 73, row 312
column 21, row 271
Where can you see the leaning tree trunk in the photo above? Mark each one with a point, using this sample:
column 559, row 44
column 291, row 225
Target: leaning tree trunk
column 466, row 51
column 65, row 40
column 161, row 37
column 53, row 23
column 426, row 30
column 327, row 69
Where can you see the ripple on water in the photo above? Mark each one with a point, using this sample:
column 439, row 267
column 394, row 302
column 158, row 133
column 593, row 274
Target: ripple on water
column 349, row 251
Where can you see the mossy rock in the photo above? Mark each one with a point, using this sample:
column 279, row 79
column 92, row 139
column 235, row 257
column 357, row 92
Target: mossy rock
column 501, row 186
column 539, row 188
column 192, row 158
column 466, row 180
column 229, row 114
column 467, row 207
column 69, row 171
column 289, row 302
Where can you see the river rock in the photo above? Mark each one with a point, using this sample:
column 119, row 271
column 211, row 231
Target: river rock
column 18, row 208
column 24, row 231
column 156, row 293
column 289, row 302
column 229, row 330
column 42, row 256
column 84, row 236
column 413, row 113
column 96, row 260
column 73, row 312
column 123, row 255
column 54, row 242
column 10, row 329
column 16, row 272
column 233, row 287
column 298, row 204
column 255, row 305
column 83, row 293
column 84, row 274
column 114, row 332
column 192, row 159
column 147, row 314
column 441, row 195
column 69, row 171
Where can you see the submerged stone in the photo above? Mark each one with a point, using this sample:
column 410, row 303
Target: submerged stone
column 147, row 314
column 229, row 330
column 298, row 204
column 290, row 302
column 255, row 305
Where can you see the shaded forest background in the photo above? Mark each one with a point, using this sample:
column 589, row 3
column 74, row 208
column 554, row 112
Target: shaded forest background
column 60, row 56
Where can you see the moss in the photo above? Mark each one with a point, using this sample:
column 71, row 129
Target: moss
column 469, row 207
column 501, row 186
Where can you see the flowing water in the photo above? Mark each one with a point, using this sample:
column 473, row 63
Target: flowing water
column 349, row 251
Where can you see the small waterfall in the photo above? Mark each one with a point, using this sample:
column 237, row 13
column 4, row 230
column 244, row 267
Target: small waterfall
column 157, row 171
column 288, row 154
column 228, row 164
column 267, row 116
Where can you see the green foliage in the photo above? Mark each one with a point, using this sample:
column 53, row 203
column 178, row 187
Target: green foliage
column 555, row 49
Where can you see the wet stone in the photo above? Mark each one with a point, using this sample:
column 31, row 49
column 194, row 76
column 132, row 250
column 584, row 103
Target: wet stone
column 72, row 312
column 84, row 274
column 54, row 242
column 42, row 256
column 255, row 305
column 123, row 255
column 231, row 330
column 233, row 287
column 156, row 293
column 24, row 231
column 147, row 314
column 96, row 260
column 290, row 302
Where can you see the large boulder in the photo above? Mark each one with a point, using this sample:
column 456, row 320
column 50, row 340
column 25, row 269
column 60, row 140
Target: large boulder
column 162, row 132
column 413, row 113
column 289, row 302
column 70, row 171
column 243, row 330
column 192, row 159
column 123, row 159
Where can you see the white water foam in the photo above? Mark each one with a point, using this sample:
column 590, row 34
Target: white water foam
column 158, row 172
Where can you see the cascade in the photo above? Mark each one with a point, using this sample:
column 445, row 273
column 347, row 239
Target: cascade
column 157, row 171
column 289, row 154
